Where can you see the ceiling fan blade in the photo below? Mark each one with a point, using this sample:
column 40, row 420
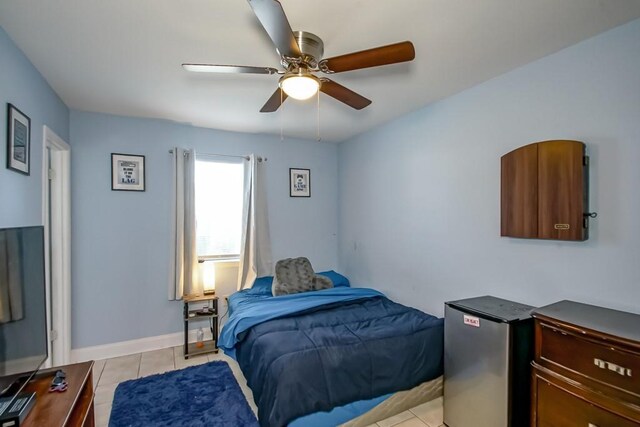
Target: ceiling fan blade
column 275, row 22
column 274, row 102
column 236, row 69
column 383, row 55
column 343, row 94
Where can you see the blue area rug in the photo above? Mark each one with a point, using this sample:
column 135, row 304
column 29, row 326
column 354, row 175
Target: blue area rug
column 203, row 395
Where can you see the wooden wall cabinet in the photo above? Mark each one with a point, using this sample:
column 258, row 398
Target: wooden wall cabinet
column 544, row 191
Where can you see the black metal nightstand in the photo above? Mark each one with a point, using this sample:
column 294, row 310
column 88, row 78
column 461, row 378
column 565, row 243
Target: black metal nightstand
column 210, row 346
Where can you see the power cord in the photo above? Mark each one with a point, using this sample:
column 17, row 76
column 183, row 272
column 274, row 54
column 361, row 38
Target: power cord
column 226, row 300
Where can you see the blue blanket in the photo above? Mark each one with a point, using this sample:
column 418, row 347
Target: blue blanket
column 248, row 309
column 346, row 349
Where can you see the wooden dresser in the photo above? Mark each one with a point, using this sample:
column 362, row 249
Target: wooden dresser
column 586, row 370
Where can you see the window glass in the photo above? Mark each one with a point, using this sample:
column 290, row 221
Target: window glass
column 219, row 188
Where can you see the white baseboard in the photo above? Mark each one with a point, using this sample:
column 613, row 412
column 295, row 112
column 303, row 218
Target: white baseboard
column 125, row 348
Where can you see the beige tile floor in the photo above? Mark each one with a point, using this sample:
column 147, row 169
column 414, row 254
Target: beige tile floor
column 108, row 373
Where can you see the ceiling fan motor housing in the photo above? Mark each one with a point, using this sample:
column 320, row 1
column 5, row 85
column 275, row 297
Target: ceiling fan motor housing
column 311, row 46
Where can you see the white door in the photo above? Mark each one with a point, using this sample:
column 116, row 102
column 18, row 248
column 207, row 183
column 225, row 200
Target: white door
column 56, row 219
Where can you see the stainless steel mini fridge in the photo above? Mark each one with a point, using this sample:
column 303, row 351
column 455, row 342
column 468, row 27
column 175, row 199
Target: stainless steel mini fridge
column 488, row 348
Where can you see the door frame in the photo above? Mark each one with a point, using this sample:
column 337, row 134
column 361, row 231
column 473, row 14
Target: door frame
column 57, row 234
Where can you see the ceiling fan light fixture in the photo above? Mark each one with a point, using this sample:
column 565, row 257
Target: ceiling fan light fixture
column 300, row 85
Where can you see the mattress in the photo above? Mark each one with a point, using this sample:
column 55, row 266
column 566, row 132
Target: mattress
column 399, row 402
column 365, row 413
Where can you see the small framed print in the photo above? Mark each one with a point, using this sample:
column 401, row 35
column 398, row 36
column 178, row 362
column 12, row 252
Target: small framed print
column 18, row 141
column 299, row 182
column 127, row 172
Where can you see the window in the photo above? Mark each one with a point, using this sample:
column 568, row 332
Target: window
column 219, row 199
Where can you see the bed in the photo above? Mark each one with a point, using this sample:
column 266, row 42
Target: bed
column 329, row 356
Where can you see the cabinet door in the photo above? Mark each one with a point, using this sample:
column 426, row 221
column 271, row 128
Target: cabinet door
column 519, row 193
column 560, row 190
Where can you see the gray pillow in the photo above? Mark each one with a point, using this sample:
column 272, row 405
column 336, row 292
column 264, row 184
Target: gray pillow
column 294, row 275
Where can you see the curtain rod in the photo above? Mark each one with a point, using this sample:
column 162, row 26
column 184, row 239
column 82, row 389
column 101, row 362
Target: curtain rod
column 223, row 155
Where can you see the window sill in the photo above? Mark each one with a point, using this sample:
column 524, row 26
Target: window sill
column 227, row 263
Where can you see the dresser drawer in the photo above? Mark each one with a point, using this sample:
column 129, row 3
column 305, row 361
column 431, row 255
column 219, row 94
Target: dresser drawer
column 556, row 407
column 596, row 360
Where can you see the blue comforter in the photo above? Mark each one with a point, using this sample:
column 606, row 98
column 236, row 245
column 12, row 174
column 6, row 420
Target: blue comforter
column 249, row 308
column 356, row 344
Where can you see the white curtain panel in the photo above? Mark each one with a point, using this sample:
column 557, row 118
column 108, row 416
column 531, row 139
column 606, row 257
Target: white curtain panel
column 184, row 277
column 255, row 249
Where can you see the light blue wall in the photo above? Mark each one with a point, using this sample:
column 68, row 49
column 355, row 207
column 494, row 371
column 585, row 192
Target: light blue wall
column 420, row 197
column 23, row 86
column 121, row 240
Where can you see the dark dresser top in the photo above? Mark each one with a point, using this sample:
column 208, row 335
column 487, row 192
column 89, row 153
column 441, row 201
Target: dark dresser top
column 605, row 320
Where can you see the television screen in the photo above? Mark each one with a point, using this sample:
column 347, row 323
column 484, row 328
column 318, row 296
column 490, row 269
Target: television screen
column 23, row 318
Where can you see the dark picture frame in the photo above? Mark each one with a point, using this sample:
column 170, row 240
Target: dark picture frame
column 127, row 172
column 18, row 140
column 299, row 182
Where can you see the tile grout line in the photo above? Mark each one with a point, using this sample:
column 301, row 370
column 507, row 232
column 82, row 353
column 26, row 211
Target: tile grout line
column 175, row 362
column 139, row 365
column 100, row 373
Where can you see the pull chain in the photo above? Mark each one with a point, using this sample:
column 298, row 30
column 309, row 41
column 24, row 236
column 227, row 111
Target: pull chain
column 318, row 103
column 281, row 117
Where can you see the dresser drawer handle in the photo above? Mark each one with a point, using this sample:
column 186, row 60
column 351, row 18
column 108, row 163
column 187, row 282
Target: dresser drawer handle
column 592, row 425
column 603, row 364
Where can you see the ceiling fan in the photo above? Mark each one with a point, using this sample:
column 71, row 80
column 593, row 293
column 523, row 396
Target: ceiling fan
column 301, row 56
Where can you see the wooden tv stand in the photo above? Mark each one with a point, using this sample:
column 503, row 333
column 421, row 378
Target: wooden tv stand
column 73, row 407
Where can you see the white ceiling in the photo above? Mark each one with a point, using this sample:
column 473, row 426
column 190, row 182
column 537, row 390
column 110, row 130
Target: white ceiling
column 123, row 56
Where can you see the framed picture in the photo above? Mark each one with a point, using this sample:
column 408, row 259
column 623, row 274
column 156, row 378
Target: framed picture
column 299, row 182
column 127, row 172
column 18, row 141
